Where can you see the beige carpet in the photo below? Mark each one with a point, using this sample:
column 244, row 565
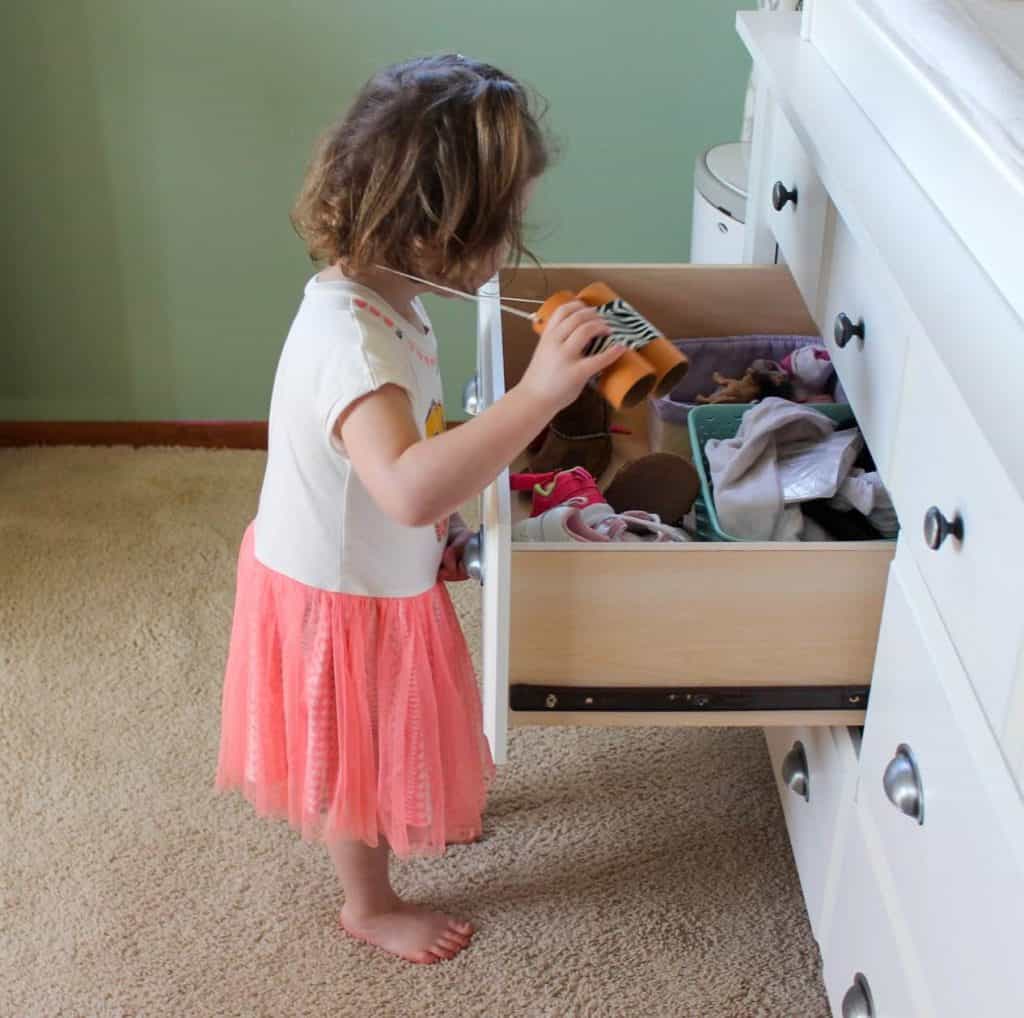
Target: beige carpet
column 624, row 872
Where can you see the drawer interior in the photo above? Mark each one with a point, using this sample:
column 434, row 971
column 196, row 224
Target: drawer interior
column 714, row 616
column 684, row 301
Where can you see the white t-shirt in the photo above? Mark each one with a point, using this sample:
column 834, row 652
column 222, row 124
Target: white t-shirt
column 316, row 522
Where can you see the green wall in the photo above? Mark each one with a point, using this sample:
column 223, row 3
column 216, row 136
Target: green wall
column 153, row 149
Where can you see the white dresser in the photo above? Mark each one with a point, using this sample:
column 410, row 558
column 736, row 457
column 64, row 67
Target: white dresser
column 906, row 821
column 908, row 834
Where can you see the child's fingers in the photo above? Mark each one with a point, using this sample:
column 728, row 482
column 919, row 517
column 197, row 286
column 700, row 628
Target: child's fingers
column 584, row 335
column 562, row 312
column 595, row 365
column 564, row 330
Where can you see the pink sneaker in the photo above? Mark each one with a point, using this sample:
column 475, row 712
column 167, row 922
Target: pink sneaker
column 595, row 523
column 575, row 487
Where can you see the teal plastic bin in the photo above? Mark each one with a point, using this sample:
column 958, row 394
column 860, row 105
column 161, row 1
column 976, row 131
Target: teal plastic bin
column 722, row 420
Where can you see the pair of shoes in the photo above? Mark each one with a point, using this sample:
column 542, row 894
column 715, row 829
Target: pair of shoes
column 661, row 484
column 569, row 506
column 596, row 523
column 650, row 365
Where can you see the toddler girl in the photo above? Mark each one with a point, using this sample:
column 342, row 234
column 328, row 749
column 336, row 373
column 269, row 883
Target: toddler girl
column 350, row 707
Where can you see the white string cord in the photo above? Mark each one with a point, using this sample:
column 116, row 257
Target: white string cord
column 472, row 296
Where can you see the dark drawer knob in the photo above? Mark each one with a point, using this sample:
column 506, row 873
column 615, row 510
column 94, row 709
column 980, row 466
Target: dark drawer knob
column 937, row 528
column 781, row 196
column 845, row 330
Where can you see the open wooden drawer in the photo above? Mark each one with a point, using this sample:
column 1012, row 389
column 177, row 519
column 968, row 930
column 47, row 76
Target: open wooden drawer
column 690, row 634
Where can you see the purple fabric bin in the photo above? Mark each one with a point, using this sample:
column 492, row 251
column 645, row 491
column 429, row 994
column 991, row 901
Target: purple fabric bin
column 730, row 355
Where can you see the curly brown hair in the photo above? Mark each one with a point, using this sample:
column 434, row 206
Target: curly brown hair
column 426, row 172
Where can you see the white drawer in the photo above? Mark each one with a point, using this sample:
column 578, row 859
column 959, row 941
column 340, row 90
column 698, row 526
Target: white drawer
column 815, row 769
column 942, row 460
column 856, row 295
column 865, row 943
column 707, row 617
column 959, row 874
column 796, row 202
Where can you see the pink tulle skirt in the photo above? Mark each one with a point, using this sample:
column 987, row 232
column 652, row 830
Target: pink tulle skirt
column 352, row 717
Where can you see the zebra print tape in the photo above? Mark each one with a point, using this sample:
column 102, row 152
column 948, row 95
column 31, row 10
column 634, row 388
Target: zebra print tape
column 631, row 329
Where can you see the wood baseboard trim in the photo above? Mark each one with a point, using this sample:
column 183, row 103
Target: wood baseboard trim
column 194, row 434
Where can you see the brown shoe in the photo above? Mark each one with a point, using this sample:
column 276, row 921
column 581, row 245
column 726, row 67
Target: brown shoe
column 579, row 436
column 660, row 483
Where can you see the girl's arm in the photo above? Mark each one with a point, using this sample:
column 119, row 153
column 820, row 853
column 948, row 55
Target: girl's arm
column 417, row 481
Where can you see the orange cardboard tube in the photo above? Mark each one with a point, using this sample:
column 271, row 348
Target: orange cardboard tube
column 668, row 363
column 629, row 380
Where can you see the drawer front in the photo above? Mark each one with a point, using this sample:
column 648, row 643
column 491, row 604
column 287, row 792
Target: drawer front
column 870, row 366
column 959, row 874
column 977, row 583
column 696, row 614
column 864, row 941
column 796, row 203
column 815, row 770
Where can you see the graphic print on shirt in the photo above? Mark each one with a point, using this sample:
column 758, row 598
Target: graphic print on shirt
column 435, row 426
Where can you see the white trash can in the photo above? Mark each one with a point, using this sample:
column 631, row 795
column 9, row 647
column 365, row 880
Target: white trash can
column 720, row 204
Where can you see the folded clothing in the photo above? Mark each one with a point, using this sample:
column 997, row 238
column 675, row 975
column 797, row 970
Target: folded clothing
column 745, row 470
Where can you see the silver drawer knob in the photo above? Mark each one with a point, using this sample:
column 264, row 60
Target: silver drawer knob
column 937, row 528
column 902, row 783
column 471, row 397
column 857, row 1002
column 473, row 557
column 796, row 773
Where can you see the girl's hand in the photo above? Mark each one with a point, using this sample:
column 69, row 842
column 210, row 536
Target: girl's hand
column 453, row 569
column 559, row 369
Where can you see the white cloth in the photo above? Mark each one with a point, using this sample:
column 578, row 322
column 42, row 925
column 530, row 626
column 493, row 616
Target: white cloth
column 316, row 521
column 866, row 493
column 745, row 470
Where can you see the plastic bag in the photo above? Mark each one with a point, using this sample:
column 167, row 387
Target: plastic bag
column 816, row 468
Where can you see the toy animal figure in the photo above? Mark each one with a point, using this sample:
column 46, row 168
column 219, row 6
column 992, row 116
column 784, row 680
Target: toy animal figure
column 773, row 379
column 733, row 390
column 763, row 379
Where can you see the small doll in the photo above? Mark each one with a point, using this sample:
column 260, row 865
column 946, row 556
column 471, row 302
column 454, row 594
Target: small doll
column 763, row 378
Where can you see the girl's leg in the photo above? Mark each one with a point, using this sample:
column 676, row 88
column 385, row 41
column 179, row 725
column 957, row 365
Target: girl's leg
column 374, row 913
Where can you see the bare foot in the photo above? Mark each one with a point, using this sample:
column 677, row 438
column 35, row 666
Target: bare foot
column 411, row 932
column 464, row 839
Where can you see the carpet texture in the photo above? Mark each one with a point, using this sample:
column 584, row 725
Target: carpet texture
column 623, row 872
